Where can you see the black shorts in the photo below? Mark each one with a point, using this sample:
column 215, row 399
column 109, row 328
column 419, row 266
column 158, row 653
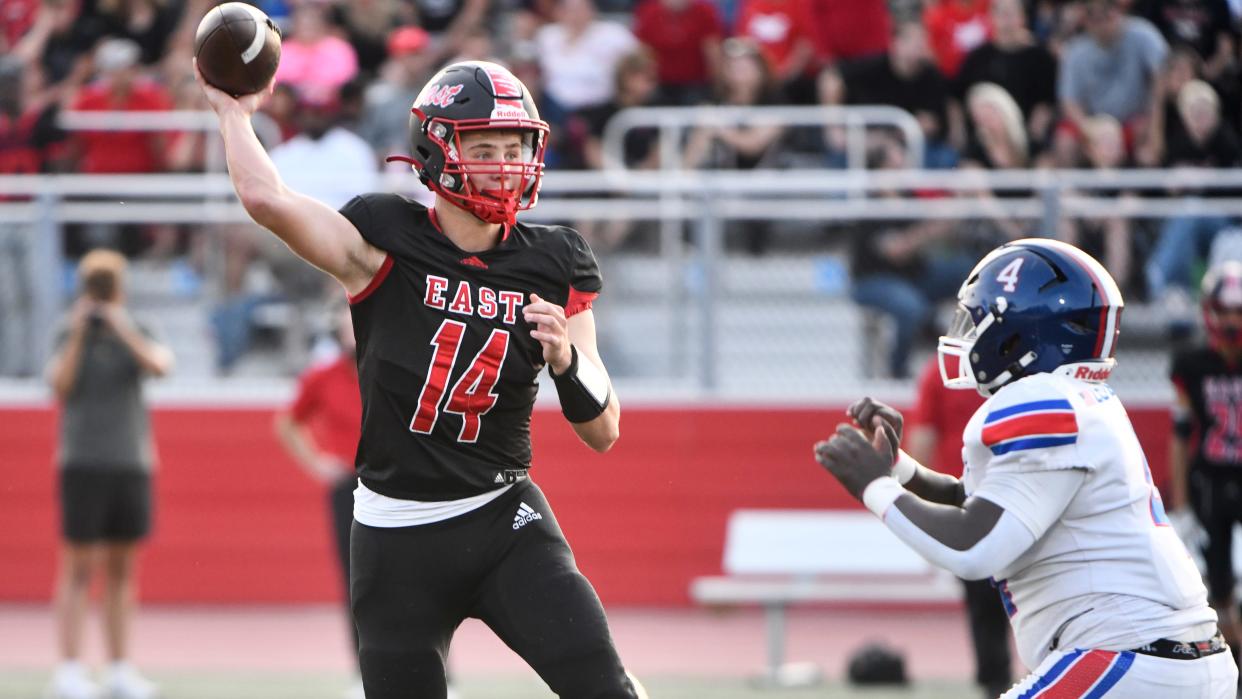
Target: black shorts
column 1216, row 498
column 98, row 505
column 507, row 564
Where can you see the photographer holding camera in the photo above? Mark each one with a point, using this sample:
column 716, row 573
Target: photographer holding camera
column 106, row 456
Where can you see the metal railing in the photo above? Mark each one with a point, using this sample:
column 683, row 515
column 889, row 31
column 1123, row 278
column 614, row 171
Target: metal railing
column 705, row 201
column 671, row 124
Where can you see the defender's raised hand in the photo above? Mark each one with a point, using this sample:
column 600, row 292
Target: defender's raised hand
column 867, row 411
column 855, row 460
column 551, row 330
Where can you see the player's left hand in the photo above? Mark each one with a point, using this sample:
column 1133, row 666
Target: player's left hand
column 551, row 330
column 854, row 460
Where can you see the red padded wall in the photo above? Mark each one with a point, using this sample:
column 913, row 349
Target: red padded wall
column 238, row 522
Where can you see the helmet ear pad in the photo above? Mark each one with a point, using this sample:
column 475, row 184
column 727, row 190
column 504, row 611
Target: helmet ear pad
column 432, row 158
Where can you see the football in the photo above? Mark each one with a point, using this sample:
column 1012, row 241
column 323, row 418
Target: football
column 237, row 47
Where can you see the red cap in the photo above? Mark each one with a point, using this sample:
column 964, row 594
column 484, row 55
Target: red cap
column 406, row 40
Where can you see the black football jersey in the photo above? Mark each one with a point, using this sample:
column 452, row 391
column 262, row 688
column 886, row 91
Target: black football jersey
column 1214, row 387
column 447, row 367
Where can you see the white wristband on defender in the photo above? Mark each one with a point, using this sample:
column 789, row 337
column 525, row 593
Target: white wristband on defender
column 905, row 467
column 881, row 493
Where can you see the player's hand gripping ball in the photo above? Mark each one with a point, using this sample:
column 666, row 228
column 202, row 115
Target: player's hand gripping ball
column 237, row 48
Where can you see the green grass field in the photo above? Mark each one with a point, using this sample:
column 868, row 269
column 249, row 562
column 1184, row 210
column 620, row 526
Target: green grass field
column 26, row 684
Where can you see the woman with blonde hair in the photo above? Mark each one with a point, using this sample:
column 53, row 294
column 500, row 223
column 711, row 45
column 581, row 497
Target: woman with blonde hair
column 997, row 142
column 106, row 456
column 999, row 139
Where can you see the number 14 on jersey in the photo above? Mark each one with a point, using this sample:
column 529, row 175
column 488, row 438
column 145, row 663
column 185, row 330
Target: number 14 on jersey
column 473, row 395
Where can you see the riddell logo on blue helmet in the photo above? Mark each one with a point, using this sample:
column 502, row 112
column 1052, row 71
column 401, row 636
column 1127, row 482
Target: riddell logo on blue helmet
column 1089, row 374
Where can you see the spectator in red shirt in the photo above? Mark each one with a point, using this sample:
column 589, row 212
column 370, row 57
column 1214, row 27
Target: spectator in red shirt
column 320, row 430
column 934, row 438
column 121, row 87
column 29, row 138
column 845, row 29
column 16, row 18
column 782, row 29
column 954, row 29
column 685, row 36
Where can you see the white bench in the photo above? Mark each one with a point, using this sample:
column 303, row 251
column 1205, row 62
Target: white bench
column 776, row 558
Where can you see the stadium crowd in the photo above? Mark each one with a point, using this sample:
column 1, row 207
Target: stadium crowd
column 993, row 84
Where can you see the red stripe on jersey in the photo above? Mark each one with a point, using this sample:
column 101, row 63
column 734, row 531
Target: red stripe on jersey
column 375, row 281
column 579, row 301
column 1061, row 422
column 1080, row 677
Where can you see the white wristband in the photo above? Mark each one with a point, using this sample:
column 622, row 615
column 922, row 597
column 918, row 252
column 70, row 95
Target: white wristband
column 881, row 493
column 905, row 467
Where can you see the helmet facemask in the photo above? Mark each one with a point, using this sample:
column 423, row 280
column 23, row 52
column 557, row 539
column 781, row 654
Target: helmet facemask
column 959, row 344
column 1222, row 307
column 493, row 190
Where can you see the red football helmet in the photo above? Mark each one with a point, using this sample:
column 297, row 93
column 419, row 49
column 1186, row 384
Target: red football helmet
column 468, row 97
column 1222, row 305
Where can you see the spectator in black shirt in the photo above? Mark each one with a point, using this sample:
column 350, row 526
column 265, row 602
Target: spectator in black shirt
column 745, row 81
column 998, row 142
column 1204, row 139
column 999, row 139
column 636, row 79
column 1014, row 61
column 903, row 268
column 907, row 77
column 1182, row 66
column 57, row 43
column 1204, row 25
column 367, row 25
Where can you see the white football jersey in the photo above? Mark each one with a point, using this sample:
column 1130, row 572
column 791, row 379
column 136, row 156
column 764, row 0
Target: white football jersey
column 1109, row 573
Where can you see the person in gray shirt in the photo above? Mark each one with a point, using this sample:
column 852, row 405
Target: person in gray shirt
column 106, row 456
column 1112, row 68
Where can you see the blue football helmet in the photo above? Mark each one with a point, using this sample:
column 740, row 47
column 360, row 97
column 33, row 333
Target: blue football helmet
column 1032, row 306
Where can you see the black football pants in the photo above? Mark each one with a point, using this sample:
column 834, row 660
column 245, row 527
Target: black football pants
column 411, row 587
column 1216, row 498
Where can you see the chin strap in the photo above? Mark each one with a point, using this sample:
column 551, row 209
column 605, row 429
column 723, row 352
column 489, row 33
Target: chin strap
column 489, row 214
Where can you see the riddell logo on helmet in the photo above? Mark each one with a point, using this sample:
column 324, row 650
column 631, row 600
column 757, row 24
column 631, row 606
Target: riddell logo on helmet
column 1089, row 374
column 440, row 96
column 509, row 109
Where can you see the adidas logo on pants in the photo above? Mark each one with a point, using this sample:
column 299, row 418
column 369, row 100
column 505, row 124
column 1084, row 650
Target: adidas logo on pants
column 525, row 515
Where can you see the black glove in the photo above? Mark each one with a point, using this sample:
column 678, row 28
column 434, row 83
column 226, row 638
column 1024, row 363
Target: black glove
column 854, row 460
column 865, row 410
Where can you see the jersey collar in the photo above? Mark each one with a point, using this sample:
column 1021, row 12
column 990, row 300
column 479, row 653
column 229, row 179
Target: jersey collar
column 435, row 222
